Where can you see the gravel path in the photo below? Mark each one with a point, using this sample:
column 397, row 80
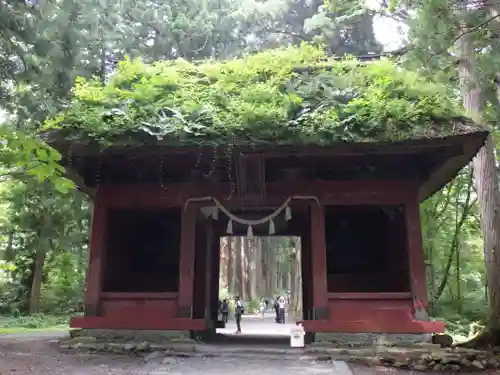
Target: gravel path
column 40, row 357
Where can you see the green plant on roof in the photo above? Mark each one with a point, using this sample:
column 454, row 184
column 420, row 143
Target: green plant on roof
column 286, row 96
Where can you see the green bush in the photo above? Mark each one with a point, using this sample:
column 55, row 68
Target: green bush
column 33, row 321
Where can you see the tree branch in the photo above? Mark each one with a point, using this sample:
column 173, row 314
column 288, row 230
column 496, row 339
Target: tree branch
column 454, row 241
column 465, row 32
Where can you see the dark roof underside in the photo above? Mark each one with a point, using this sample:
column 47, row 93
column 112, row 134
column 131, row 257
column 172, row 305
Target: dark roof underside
column 430, row 162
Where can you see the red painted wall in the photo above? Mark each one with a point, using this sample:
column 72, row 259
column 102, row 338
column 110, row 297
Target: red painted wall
column 350, row 313
column 382, row 307
column 150, row 306
column 156, row 311
column 371, row 312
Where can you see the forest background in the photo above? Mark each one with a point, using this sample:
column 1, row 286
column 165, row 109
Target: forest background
column 46, row 44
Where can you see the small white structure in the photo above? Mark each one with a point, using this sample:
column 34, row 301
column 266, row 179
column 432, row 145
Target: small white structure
column 297, row 334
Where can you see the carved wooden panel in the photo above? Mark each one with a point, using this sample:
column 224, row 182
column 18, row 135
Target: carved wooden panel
column 250, row 178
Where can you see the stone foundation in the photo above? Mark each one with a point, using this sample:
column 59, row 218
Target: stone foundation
column 371, row 339
column 422, row 358
column 131, row 335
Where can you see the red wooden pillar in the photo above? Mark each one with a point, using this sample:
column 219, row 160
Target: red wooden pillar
column 318, row 261
column 93, row 279
column 208, row 272
column 214, row 280
column 186, row 266
column 416, row 256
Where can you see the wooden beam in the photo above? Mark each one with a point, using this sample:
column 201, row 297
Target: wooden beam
column 328, row 192
column 373, row 325
column 136, row 321
column 384, row 147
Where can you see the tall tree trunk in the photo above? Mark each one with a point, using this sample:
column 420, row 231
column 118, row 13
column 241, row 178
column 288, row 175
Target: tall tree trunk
column 284, row 277
column 243, row 245
column 41, row 252
column 486, row 180
column 81, row 259
column 230, row 265
column 296, row 282
column 238, row 271
column 298, row 279
column 279, row 275
column 293, row 276
column 246, row 267
column 224, row 256
column 273, row 269
column 489, row 203
column 254, row 269
column 259, row 283
column 276, row 274
column 265, row 266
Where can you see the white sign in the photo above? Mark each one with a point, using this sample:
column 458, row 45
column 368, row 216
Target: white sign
column 297, row 334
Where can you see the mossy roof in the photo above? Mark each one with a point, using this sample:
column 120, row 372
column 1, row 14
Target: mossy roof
column 261, row 99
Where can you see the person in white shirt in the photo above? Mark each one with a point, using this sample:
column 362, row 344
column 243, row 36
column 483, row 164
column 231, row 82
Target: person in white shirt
column 262, row 307
column 281, row 309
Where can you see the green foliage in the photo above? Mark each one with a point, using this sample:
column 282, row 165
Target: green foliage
column 36, row 321
column 63, row 291
column 40, row 219
column 451, row 236
column 45, row 45
column 23, row 156
column 259, row 99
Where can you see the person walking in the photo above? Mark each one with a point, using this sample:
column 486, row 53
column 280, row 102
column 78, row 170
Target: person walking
column 281, row 308
column 262, row 307
column 238, row 312
column 225, row 310
column 276, row 309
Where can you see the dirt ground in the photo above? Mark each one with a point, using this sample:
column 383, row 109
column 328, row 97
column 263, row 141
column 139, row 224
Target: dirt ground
column 19, row 356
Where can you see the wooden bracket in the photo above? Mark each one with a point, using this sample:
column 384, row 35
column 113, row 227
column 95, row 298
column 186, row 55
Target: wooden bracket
column 251, row 178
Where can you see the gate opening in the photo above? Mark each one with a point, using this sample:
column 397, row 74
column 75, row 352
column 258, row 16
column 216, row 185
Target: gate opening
column 265, row 272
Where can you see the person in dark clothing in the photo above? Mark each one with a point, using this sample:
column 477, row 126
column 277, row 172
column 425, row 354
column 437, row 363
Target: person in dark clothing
column 276, row 309
column 238, row 311
column 225, row 310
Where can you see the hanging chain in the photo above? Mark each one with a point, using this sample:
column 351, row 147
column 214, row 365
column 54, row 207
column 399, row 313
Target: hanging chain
column 198, row 162
column 98, row 171
column 213, row 166
column 229, row 156
column 162, row 170
column 70, row 156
